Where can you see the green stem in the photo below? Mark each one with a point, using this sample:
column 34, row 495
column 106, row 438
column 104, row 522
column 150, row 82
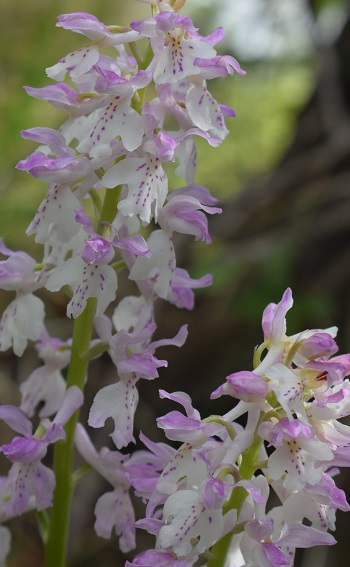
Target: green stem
column 250, row 458
column 135, row 51
column 56, row 548
column 110, row 203
column 220, row 551
column 247, row 469
column 221, row 548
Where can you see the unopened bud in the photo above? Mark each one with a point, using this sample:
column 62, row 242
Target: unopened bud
column 178, row 4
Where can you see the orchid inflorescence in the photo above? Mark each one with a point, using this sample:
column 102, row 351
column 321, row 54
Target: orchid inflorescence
column 109, row 208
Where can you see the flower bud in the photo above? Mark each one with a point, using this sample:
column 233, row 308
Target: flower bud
column 97, row 251
column 244, row 385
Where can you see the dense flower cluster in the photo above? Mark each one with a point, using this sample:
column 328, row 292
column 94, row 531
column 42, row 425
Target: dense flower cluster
column 108, row 207
column 292, row 444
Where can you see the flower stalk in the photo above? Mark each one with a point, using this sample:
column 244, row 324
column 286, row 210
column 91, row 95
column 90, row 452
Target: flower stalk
column 56, row 547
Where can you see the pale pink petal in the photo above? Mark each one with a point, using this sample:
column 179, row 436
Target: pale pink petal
column 119, row 402
column 57, row 209
column 114, row 510
column 160, row 267
column 205, row 112
column 22, row 320
column 76, row 63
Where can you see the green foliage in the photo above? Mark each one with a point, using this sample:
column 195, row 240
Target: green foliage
column 319, row 5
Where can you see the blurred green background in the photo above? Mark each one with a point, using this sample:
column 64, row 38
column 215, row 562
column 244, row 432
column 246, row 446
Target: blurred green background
column 282, row 177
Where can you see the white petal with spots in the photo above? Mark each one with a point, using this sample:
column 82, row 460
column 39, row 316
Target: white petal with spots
column 160, row 267
column 288, row 387
column 22, row 320
column 119, row 402
column 117, row 119
column 177, row 60
column 76, row 63
column 115, row 510
column 299, row 458
column 186, row 520
column 56, row 210
column 147, row 184
column 86, row 281
column 46, row 385
column 183, row 465
column 29, row 480
column 205, row 112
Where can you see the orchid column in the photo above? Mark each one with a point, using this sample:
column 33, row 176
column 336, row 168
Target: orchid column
column 106, row 170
